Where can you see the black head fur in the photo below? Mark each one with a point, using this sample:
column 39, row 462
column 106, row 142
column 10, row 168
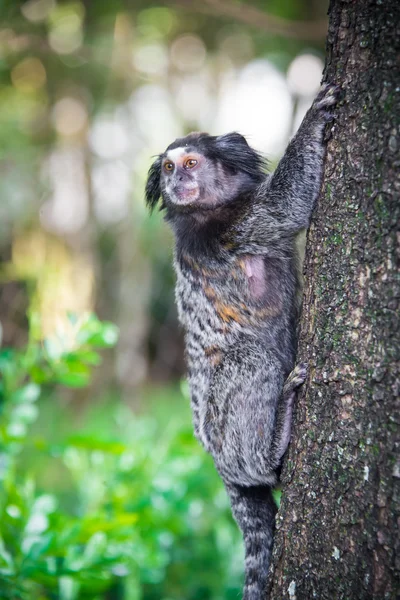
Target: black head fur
column 231, row 150
column 153, row 187
column 235, row 154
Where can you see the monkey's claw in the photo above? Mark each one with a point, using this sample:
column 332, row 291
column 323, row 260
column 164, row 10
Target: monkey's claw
column 328, row 96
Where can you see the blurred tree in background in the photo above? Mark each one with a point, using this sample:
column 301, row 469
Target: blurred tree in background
column 89, row 91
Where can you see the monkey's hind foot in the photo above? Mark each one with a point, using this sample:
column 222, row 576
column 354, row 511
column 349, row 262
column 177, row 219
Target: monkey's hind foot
column 283, row 425
column 296, row 378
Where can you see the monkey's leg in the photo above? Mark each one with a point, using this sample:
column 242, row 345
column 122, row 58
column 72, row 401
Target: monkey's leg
column 244, row 395
column 283, row 425
column 254, row 510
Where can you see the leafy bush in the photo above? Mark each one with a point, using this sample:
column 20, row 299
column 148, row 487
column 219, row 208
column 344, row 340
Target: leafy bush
column 136, row 512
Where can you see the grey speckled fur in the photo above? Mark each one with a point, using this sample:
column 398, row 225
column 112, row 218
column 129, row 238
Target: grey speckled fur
column 238, row 288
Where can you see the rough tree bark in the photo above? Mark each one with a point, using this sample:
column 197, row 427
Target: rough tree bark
column 337, row 534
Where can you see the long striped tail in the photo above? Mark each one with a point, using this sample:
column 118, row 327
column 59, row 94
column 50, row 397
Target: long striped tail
column 254, row 510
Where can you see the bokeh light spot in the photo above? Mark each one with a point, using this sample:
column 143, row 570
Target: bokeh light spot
column 151, row 58
column 66, row 35
column 69, row 116
column 304, row 74
column 37, row 10
column 28, row 75
column 157, row 22
column 108, row 138
column 188, row 53
column 257, row 103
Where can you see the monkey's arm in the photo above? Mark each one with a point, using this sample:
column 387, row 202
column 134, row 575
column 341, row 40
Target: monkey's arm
column 293, row 188
column 285, row 201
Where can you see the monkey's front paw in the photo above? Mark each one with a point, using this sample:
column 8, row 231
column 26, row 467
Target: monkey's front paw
column 326, row 100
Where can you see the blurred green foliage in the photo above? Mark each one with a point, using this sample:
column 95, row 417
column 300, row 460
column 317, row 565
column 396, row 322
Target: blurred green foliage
column 136, row 513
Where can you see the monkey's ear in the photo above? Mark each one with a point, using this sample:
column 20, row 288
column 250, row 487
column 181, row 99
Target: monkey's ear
column 229, row 140
column 235, row 153
column 153, row 188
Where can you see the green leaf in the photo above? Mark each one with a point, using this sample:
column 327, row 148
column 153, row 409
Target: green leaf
column 40, row 546
column 16, row 431
column 72, row 373
column 6, row 356
column 90, row 443
column 46, row 503
column 97, row 333
column 53, row 348
column 68, row 588
column 6, row 560
column 39, row 374
column 28, row 393
column 73, row 379
column 88, row 357
column 93, row 525
column 106, row 337
column 9, row 364
column 24, row 413
column 35, row 329
column 277, row 495
column 95, row 547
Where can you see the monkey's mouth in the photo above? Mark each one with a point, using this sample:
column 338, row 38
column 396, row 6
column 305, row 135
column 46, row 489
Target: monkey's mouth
column 185, row 195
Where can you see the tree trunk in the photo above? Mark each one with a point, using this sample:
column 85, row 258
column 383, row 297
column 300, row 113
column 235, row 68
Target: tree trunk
column 337, row 536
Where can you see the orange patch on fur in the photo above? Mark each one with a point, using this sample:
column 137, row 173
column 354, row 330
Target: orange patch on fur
column 229, row 313
column 210, row 292
column 205, row 271
column 214, row 354
column 268, row 311
column 229, row 245
column 190, row 262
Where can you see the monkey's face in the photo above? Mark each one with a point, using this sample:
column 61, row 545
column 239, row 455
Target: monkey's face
column 203, row 172
column 188, row 178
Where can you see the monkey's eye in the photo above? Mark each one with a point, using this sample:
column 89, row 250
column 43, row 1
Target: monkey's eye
column 168, row 166
column 190, row 163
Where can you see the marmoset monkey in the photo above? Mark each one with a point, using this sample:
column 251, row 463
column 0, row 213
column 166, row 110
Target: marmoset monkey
column 237, row 291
